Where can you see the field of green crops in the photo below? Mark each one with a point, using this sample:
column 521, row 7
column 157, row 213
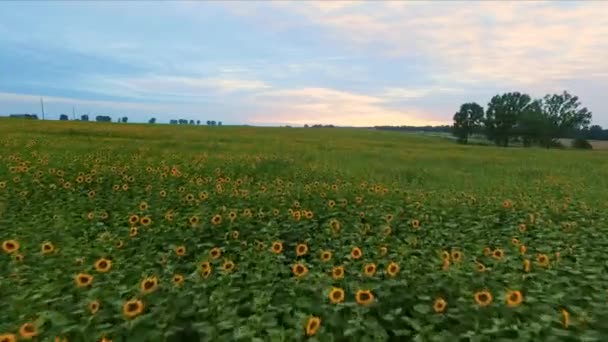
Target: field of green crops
column 164, row 233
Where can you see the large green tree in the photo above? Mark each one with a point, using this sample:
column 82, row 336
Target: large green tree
column 467, row 120
column 502, row 116
column 564, row 113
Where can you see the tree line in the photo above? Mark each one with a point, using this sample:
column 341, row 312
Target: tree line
column 517, row 116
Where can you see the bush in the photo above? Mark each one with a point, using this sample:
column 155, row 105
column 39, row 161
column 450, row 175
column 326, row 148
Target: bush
column 582, row 144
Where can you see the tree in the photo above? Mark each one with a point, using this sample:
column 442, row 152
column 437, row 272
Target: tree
column 84, row 117
column 103, row 118
column 208, row 123
column 532, row 126
column 198, row 122
column 502, row 115
column 219, row 123
column 124, row 119
column 63, row 117
column 466, row 120
column 563, row 111
column 192, row 122
column 152, row 121
column 173, row 122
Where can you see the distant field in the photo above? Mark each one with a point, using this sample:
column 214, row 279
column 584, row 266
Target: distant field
column 155, row 232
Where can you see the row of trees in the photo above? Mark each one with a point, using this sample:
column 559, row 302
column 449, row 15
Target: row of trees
column 516, row 115
column 192, row 122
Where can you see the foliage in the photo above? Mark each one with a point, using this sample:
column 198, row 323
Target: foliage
column 466, row 120
column 582, row 144
column 69, row 192
column 502, row 116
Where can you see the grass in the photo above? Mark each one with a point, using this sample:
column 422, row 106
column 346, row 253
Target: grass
column 132, row 195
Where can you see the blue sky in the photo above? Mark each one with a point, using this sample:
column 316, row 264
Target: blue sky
column 270, row 63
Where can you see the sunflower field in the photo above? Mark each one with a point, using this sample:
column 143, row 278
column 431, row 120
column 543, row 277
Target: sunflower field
column 131, row 232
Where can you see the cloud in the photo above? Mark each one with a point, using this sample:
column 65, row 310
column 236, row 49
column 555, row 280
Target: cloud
column 330, row 106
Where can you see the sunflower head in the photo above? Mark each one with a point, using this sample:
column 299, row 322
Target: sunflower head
column 83, row 280
column 133, row 219
column 19, row 257
column 326, row 256
column 10, row 246
column 133, row 232
column 47, row 248
column 180, row 250
column 94, row 306
column 487, row 251
column 515, row 241
column 120, row 244
column 415, row 224
column 334, row 225
column 383, row 251
column 216, row 220
column 194, row 220
column 336, row 295
column 132, row 308
column 215, row 253
column 228, row 266
column 522, row 227
column 145, row 221
column 337, row 272
column 369, row 269
column 523, row 249
column 312, row 326
column 543, row 260
column 356, row 253
column 277, row 247
column 364, row 297
column 392, row 269
column 483, row 298
column 498, row 254
column 513, row 298
column 103, row 265
column 28, row 331
column 235, row 234
column 177, row 279
column 456, row 256
column 299, row 270
column 8, row 338
column 440, row 305
column 301, row 249
column 480, row 267
column 148, row 285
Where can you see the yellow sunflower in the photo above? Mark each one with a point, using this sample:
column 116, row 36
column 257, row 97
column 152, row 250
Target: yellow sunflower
column 180, row 250
column 543, row 260
column 336, row 295
column 299, row 270
column 356, row 253
column 8, row 338
column 133, row 308
column 513, row 298
column 337, row 272
column 148, row 285
column 28, row 331
column 83, row 280
column 103, row 265
column 94, row 306
column 215, row 253
column 326, row 256
column 10, row 246
column 440, row 305
column 228, row 266
column 301, row 249
column 392, row 269
column 177, row 279
column 133, row 219
column 277, row 247
column 47, row 248
column 312, row 326
column 369, row 269
column 364, row 297
column 483, row 298
column 498, row 254
column 216, row 220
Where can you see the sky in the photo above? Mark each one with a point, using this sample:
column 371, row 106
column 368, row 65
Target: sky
column 345, row 63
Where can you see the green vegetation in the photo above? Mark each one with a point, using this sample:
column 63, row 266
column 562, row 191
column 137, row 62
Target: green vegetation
column 187, row 233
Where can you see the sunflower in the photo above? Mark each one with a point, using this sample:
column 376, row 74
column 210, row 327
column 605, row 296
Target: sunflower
column 133, row 219
column 543, row 260
column 301, row 249
column 162, row 193
column 337, row 272
column 10, row 246
column 565, row 318
column 415, row 224
column 8, row 338
column 522, row 227
column 445, row 255
column 275, row 212
column 216, row 219
column 90, row 215
column 326, row 256
column 28, row 331
column 336, row 295
column 369, row 269
column 232, row 216
column 103, row 265
column 132, row 308
column 527, row 265
column 177, row 279
column 383, row 251
column 180, row 250
column 487, row 251
column 523, row 249
column 507, row 204
column 364, row 297
column 83, row 280
column 94, row 306
column 277, row 247
column 115, row 187
column 456, row 256
column 228, row 266
column 312, row 325
column 356, row 253
column 480, row 267
column 439, row 305
column 215, row 253
column 392, row 269
column 120, row 244
column 299, row 270
column 515, row 241
column 498, row 254
column 446, row 264
column 387, row 230
column 513, row 298
column 19, row 257
column 334, row 225
column 133, row 232
column 205, row 265
column 189, row 197
column 296, row 215
column 194, row 220
column 47, row 248
column 148, row 285
column 483, row 298
column 309, row 214
column 145, row 221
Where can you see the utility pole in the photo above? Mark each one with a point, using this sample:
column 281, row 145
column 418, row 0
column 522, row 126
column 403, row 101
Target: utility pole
column 42, row 106
column 73, row 113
